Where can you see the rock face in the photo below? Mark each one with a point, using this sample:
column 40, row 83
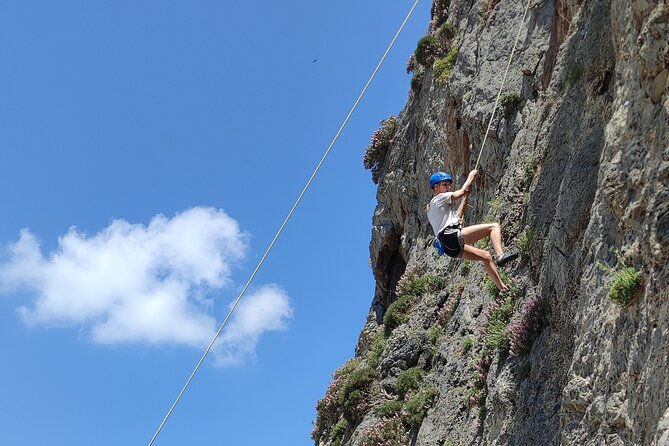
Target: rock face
column 576, row 170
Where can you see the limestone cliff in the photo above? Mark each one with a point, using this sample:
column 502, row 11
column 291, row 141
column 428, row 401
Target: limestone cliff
column 576, row 170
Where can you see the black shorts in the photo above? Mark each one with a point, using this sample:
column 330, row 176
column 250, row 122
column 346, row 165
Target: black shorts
column 452, row 241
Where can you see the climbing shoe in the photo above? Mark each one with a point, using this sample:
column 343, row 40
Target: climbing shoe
column 506, row 258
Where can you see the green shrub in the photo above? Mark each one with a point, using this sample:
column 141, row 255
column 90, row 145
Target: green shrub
column 490, row 286
column 443, row 67
column 409, row 380
column 447, row 31
column 625, row 281
column 338, row 432
column 347, row 368
column 467, row 344
column 434, row 334
column 355, row 406
column 375, row 153
column 429, row 283
column 418, row 405
column 390, row 408
column 411, row 286
column 376, row 350
column 354, row 398
column 426, row 50
column 624, row 286
column 396, row 314
column 509, row 103
column 525, row 243
column 358, row 379
column 414, row 283
column 496, row 337
column 466, row 267
column 499, row 315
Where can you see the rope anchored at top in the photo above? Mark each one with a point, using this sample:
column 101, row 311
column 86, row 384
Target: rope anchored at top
column 501, row 87
column 463, row 205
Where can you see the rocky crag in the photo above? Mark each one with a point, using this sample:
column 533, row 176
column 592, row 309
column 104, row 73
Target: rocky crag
column 576, row 170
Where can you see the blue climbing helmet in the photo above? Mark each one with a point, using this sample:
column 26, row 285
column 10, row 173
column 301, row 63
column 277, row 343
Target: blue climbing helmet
column 438, row 177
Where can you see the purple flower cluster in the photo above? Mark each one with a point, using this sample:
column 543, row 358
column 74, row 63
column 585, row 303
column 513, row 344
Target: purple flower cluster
column 382, row 136
column 327, row 408
column 523, row 331
column 412, row 64
column 386, row 432
column 439, row 13
column 376, row 152
column 478, row 389
column 448, row 309
column 482, row 366
column 407, row 279
column 331, row 397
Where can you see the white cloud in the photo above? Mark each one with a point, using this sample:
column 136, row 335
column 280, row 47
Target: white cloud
column 144, row 284
column 267, row 309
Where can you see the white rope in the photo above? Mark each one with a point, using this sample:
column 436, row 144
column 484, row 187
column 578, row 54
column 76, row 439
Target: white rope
column 283, row 225
column 499, row 93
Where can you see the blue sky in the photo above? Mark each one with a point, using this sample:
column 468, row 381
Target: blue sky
column 148, row 153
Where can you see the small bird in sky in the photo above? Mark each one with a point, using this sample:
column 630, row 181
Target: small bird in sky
column 314, row 60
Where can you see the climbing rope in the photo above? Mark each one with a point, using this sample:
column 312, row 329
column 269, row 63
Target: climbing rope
column 464, row 204
column 501, row 87
column 283, row 225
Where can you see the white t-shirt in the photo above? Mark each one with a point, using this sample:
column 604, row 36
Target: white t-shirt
column 441, row 212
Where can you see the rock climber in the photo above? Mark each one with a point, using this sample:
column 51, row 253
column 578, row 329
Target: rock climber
column 458, row 241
